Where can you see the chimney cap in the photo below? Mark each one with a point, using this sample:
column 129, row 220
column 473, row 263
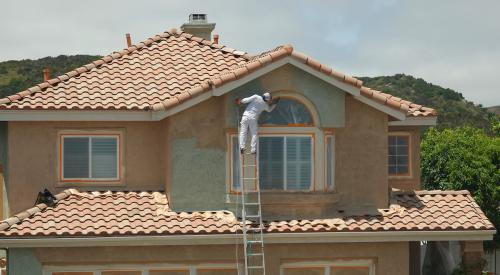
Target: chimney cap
column 198, row 18
column 198, row 26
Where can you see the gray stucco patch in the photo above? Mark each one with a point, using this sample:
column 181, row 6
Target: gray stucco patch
column 198, row 177
column 23, row 261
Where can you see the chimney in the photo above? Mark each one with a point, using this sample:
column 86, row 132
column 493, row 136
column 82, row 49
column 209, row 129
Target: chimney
column 198, row 26
column 216, row 38
column 129, row 40
column 45, row 74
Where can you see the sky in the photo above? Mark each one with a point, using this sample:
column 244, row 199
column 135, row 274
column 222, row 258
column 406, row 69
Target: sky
column 451, row 43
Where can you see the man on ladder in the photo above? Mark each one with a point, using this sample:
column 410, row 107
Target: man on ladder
column 256, row 105
column 253, row 233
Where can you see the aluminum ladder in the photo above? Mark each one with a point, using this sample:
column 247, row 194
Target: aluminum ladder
column 251, row 211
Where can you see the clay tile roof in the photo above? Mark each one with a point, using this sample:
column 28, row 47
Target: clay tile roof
column 150, row 72
column 166, row 70
column 80, row 214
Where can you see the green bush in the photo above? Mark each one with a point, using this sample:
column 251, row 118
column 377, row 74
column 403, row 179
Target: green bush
column 465, row 158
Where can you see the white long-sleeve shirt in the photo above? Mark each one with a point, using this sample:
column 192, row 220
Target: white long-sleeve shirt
column 256, row 105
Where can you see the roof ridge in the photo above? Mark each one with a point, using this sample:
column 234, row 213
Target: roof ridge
column 40, row 87
column 19, row 217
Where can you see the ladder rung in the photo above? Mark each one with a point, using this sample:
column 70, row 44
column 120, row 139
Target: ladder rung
column 252, row 216
column 255, row 229
column 254, row 241
column 250, row 165
column 252, row 203
column 256, row 267
column 249, row 178
column 256, row 254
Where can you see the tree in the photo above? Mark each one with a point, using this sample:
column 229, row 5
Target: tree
column 465, row 158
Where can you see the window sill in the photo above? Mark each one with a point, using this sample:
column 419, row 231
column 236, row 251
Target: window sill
column 400, row 177
column 90, row 183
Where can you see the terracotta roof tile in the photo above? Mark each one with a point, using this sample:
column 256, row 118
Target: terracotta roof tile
column 149, row 74
column 147, row 213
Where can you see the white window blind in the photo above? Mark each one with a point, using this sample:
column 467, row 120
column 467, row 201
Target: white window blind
column 235, row 176
column 272, row 163
column 285, row 163
column 330, row 156
column 298, row 163
column 90, row 157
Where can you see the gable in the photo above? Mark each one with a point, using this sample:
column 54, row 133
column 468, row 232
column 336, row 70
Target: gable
column 324, row 100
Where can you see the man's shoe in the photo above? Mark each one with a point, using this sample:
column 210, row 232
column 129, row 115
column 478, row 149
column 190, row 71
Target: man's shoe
column 253, row 152
column 242, row 151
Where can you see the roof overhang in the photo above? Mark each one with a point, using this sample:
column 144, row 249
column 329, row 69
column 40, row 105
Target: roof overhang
column 269, row 238
column 415, row 121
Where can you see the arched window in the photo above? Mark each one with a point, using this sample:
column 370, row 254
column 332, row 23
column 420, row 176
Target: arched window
column 288, row 112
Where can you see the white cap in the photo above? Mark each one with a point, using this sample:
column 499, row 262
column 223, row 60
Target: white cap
column 266, row 96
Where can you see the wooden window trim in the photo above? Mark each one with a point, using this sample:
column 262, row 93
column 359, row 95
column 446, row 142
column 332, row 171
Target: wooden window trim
column 409, row 174
column 119, row 181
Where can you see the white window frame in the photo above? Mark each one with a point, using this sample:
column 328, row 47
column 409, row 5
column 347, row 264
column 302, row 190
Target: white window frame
column 264, row 133
column 142, row 268
column 327, row 265
column 410, row 162
column 116, row 136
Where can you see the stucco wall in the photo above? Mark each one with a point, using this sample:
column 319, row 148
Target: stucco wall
column 361, row 158
column 389, row 258
column 413, row 181
column 33, row 157
column 197, row 145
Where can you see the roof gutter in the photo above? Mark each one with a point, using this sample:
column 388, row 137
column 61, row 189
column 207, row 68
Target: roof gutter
column 269, row 238
column 78, row 115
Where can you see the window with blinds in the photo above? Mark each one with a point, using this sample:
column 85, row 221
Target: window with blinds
column 285, row 163
column 90, row 157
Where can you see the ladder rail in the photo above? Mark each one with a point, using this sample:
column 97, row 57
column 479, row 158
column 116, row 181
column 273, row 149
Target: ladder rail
column 257, row 236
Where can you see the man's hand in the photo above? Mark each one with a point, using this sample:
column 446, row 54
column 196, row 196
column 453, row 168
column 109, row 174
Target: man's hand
column 237, row 101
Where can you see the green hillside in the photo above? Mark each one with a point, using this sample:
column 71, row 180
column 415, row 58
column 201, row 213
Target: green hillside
column 494, row 109
column 18, row 75
column 453, row 109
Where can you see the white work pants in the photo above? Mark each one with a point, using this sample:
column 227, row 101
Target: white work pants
column 252, row 123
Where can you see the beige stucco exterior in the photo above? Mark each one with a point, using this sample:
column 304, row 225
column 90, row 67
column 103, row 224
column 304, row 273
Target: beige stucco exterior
column 384, row 255
column 33, row 158
column 190, row 147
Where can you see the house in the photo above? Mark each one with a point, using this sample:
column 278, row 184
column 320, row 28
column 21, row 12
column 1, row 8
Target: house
column 139, row 148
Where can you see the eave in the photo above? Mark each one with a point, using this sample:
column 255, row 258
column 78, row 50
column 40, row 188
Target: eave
column 269, row 238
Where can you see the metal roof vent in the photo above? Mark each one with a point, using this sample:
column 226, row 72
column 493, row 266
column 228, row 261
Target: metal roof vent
column 198, row 26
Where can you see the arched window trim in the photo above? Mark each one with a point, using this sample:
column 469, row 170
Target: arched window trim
column 301, row 100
